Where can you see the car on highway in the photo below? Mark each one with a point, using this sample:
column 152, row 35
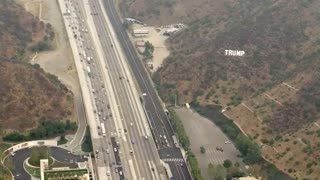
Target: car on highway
column 131, row 124
column 132, row 141
column 116, row 169
column 107, row 150
column 120, row 173
column 115, row 149
column 131, row 151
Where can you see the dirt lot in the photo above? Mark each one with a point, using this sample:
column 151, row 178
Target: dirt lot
column 60, row 60
column 156, row 38
column 202, row 132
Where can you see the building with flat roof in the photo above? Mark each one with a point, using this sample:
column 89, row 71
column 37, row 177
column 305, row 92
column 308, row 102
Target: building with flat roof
column 140, row 32
column 62, row 173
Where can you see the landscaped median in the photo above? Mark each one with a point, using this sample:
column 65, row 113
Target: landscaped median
column 32, row 164
column 32, row 170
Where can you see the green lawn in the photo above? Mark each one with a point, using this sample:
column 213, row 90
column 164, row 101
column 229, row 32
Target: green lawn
column 62, row 164
column 35, row 172
column 4, row 174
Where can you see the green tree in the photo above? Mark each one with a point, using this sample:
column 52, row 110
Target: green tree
column 14, row 136
column 217, row 172
column 148, row 50
column 249, row 149
column 227, row 163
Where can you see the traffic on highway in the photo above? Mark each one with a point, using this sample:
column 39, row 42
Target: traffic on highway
column 123, row 148
column 158, row 120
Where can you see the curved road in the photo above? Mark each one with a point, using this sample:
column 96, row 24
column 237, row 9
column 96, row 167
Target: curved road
column 57, row 153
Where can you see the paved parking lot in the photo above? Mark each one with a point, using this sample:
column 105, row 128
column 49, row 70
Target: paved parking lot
column 202, row 132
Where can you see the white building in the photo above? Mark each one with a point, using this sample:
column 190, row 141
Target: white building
column 140, row 32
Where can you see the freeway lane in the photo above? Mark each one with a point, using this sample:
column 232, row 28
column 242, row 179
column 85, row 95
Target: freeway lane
column 143, row 153
column 157, row 117
column 96, row 85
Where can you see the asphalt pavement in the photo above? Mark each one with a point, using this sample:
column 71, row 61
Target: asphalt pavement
column 158, row 119
column 57, row 153
column 116, row 108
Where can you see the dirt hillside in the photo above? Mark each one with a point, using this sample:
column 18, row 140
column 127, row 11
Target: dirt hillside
column 27, row 93
column 272, row 91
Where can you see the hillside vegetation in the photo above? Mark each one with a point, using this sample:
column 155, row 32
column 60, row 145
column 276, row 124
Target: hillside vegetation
column 280, row 39
column 272, row 91
column 27, row 93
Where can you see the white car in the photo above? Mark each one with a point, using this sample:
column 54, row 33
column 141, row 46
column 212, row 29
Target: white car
column 115, row 149
column 227, row 142
column 120, row 173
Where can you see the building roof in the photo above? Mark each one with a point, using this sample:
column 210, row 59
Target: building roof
column 141, row 31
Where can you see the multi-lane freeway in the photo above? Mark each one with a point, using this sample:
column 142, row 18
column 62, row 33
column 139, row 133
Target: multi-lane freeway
column 120, row 131
column 157, row 117
column 122, row 141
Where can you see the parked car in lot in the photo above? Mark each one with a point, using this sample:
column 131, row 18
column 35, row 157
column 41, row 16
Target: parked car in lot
column 219, row 149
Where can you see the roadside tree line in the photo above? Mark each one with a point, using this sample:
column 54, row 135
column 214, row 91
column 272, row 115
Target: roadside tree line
column 45, row 129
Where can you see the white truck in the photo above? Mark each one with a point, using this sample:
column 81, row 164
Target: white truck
column 103, row 130
column 88, row 69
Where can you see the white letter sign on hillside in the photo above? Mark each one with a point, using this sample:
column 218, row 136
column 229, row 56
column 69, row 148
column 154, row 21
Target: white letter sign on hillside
column 234, row 53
